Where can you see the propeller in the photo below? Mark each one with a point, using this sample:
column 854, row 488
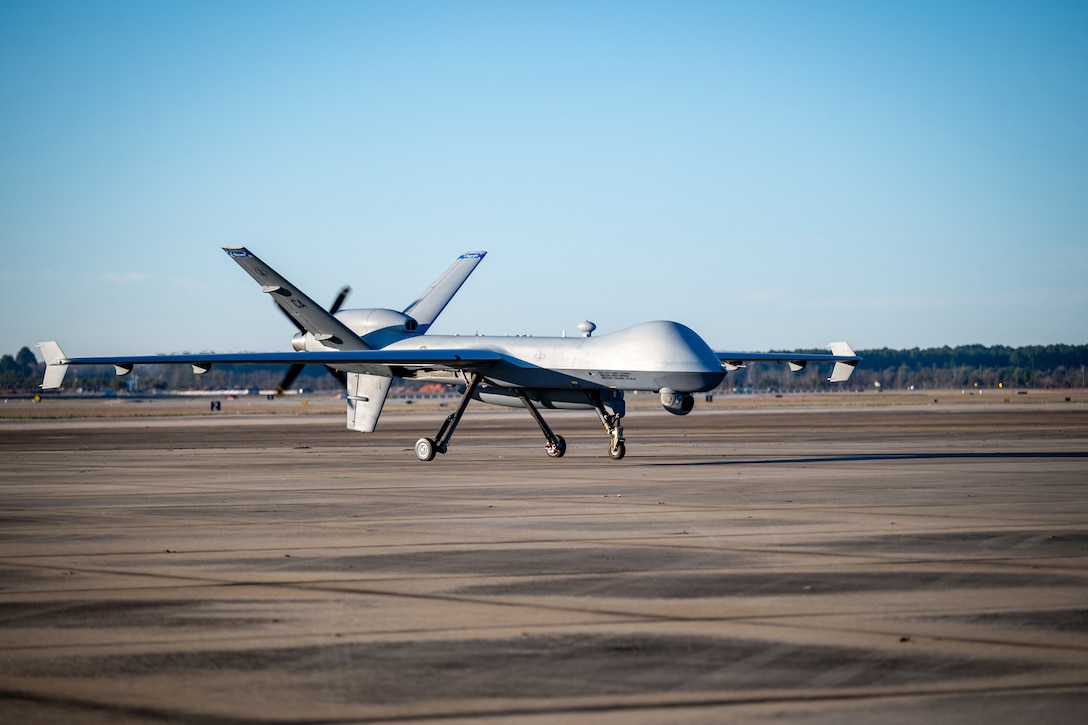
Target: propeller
column 294, row 370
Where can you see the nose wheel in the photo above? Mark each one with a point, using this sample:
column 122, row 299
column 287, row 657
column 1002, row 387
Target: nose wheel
column 611, row 423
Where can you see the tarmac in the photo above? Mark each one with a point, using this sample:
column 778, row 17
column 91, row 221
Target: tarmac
column 816, row 565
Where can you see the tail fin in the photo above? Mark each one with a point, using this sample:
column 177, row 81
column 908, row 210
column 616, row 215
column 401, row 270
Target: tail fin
column 429, row 305
column 56, row 365
column 366, row 396
column 307, row 315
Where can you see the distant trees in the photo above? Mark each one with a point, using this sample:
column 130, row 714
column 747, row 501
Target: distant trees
column 241, row 377
column 1039, row 366
column 22, row 373
column 17, row 371
column 1024, row 367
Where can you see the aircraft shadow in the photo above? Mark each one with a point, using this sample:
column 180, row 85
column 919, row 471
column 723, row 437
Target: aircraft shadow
column 862, row 457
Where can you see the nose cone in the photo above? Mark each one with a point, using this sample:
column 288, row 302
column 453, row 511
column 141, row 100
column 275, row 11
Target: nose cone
column 678, row 359
column 673, row 346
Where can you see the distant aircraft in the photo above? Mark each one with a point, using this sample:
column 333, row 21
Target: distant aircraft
column 369, row 347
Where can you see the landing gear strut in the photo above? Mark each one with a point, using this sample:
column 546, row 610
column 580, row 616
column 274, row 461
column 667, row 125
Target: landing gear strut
column 426, row 448
column 611, row 422
column 556, row 445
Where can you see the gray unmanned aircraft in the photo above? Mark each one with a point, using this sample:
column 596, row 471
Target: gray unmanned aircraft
column 367, row 348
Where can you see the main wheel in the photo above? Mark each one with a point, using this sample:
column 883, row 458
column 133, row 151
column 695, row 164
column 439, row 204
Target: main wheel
column 558, row 449
column 617, row 450
column 425, row 449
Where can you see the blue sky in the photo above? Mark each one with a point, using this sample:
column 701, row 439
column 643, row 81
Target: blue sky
column 773, row 174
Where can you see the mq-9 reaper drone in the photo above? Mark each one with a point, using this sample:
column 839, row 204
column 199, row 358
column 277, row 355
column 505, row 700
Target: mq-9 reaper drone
column 367, row 348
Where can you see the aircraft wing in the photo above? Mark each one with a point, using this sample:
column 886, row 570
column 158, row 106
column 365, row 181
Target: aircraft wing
column 307, row 314
column 368, row 361
column 841, row 354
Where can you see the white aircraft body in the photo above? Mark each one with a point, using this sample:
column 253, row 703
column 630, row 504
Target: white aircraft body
column 367, row 348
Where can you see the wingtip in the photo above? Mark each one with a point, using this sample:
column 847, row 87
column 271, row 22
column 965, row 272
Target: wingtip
column 841, row 348
column 51, row 352
column 56, row 364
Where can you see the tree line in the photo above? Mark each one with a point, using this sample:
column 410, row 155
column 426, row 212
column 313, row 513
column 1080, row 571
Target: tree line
column 1037, row 366
column 964, row 366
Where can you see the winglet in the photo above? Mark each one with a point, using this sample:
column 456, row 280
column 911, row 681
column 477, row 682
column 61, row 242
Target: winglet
column 843, row 368
column 56, row 365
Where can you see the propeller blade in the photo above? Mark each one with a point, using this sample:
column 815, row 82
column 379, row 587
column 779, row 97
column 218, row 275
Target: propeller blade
column 339, row 300
column 339, row 374
column 336, row 304
column 294, row 370
column 292, row 373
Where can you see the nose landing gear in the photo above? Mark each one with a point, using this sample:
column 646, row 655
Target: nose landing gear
column 611, row 422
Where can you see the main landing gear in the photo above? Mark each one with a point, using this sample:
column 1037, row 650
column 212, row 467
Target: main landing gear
column 427, row 448
column 555, row 445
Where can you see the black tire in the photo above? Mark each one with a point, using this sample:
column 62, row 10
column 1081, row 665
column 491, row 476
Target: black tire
column 617, row 451
column 558, row 449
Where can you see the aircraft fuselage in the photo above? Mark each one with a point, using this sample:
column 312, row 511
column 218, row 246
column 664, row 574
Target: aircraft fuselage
column 651, row 356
